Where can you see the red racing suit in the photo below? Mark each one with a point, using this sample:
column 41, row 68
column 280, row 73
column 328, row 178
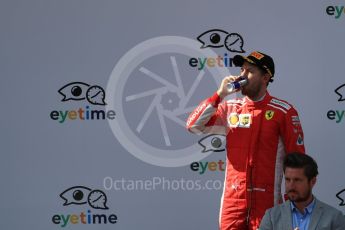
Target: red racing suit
column 258, row 135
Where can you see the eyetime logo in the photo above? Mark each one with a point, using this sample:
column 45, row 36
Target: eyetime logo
column 217, row 38
column 81, row 195
column 335, row 11
column 213, row 142
column 218, row 61
column 80, row 91
column 338, row 115
column 203, row 166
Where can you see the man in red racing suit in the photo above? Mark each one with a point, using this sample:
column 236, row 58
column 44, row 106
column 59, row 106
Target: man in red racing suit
column 260, row 130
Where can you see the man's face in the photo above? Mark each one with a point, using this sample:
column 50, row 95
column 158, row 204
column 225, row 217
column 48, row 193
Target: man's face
column 297, row 185
column 256, row 80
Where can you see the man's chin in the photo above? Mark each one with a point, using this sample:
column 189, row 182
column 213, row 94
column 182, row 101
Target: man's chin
column 293, row 198
column 244, row 92
column 249, row 93
column 297, row 199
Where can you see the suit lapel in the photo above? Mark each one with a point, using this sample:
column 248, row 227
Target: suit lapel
column 286, row 215
column 316, row 216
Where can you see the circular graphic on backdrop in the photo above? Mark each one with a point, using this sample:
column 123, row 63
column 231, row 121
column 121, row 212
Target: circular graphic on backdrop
column 147, row 89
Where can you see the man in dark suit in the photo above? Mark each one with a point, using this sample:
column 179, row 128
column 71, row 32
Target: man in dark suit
column 303, row 211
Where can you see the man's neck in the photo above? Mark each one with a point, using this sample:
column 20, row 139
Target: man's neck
column 258, row 97
column 303, row 204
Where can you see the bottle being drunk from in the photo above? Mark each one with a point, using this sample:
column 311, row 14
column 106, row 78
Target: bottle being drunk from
column 235, row 85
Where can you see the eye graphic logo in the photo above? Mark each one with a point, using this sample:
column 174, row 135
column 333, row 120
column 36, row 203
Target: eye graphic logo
column 340, row 196
column 213, row 142
column 217, row 38
column 80, row 195
column 338, row 115
column 78, row 91
column 341, row 92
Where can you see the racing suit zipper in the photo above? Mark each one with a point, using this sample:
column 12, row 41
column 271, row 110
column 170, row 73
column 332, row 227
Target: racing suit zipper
column 250, row 190
column 250, row 176
column 250, row 165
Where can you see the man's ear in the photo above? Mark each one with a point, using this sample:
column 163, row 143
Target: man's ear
column 313, row 181
column 267, row 77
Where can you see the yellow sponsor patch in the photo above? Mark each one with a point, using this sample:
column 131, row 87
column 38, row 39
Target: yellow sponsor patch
column 233, row 120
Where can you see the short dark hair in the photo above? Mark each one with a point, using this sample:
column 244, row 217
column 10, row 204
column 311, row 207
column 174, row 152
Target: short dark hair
column 300, row 160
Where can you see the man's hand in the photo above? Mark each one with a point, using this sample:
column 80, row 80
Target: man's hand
column 223, row 88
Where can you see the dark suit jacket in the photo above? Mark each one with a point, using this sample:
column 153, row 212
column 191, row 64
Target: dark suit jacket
column 324, row 217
